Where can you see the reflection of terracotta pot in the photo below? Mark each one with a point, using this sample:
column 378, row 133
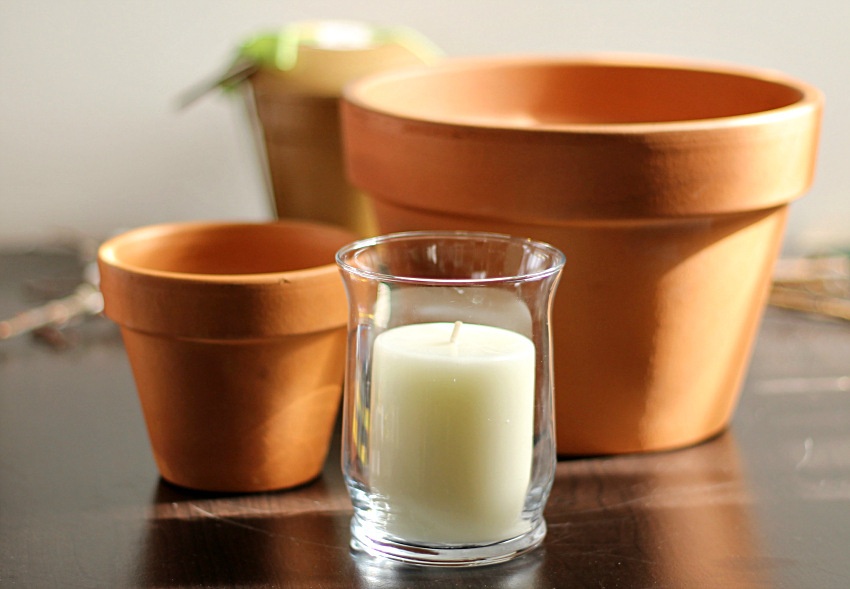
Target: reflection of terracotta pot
column 685, row 519
column 236, row 337
column 666, row 185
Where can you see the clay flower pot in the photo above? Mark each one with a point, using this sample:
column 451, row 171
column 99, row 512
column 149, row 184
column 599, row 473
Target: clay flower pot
column 236, row 337
column 292, row 102
column 664, row 182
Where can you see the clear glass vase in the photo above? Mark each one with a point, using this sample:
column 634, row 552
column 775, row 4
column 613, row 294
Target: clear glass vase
column 448, row 435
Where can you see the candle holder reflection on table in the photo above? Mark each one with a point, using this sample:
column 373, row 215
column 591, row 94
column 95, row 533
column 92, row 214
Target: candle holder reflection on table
column 448, row 444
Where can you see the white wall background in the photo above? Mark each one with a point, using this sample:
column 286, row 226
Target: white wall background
column 91, row 139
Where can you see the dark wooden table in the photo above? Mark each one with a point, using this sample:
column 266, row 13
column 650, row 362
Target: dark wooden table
column 766, row 504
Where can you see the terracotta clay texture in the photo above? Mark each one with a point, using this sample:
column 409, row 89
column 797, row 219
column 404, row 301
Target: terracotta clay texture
column 298, row 136
column 664, row 182
column 295, row 118
column 236, row 337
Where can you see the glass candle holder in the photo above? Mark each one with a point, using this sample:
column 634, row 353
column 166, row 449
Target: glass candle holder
column 448, row 435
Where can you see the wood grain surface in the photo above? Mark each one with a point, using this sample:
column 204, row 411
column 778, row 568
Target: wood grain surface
column 766, row 504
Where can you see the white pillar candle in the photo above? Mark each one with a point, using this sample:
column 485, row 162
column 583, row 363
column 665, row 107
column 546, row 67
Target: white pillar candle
column 452, row 427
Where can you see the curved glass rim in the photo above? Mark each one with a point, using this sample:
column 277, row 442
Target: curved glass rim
column 558, row 257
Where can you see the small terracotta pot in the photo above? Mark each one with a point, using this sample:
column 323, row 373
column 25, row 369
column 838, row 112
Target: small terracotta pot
column 236, row 338
column 664, row 182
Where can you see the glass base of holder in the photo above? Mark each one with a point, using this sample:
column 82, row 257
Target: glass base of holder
column 376, row 544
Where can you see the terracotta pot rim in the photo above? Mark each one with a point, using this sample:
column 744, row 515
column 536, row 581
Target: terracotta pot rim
column 161, row 299
column 291, row 96
column 107, row 255
column 544, row 128
column 811, row 97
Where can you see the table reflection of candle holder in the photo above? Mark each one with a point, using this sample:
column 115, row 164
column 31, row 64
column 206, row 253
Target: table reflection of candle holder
column 448, row 447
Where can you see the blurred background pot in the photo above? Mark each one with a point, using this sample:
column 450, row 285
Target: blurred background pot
column 665, row 183
column 236, row 338
column 292, row 90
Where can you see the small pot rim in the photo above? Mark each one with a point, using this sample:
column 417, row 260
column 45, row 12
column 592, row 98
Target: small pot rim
column 107, row 253
column 811, row 97
column 225, row 307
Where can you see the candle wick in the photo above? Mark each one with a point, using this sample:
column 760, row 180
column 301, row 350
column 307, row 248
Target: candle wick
column 455, row 332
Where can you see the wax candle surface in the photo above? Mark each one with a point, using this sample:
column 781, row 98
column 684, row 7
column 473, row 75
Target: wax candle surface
column 452, row 426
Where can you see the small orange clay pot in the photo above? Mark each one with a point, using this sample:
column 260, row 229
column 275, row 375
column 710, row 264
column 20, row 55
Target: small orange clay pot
column 664, row 182
column 236, row 336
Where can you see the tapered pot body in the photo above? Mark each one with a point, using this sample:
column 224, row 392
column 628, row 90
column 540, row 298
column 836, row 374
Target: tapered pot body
column 666, row 185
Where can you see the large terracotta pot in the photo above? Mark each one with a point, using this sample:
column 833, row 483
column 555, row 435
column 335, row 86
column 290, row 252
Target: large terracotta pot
column 236, row 337
column 664, row 182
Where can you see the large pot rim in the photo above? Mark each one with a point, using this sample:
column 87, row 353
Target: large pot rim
column 501, row 165
column 811, row 97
